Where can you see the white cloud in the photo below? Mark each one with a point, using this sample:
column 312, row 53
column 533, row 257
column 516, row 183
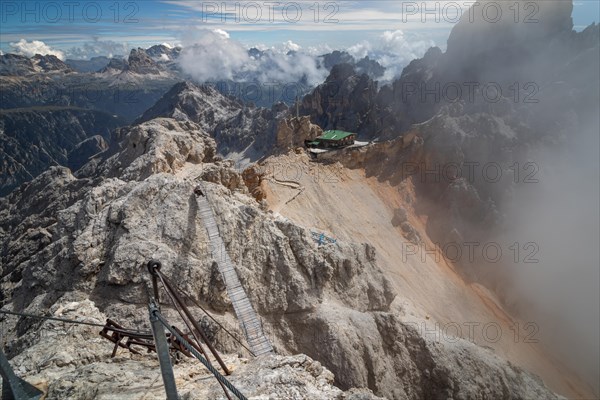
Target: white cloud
column 97, row 48
column 34, row 47
column 283, row 68
column 222, row 33
column 213, row 55
column 291, row 46
column 393, row 50
column 319, row 50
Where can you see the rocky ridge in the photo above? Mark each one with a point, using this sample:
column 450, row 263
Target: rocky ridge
column 240, row 130
column 14, row 64
column 33, row 139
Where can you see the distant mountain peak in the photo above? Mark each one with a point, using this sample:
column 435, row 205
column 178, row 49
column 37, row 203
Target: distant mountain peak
column 19, row 65
column 234, row 125
column 140, row 62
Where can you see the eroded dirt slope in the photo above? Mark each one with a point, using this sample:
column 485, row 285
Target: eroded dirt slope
column 346, row 205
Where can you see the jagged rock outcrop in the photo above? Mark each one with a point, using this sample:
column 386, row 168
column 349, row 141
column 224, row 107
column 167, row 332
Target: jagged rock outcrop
column 115, row 65
column 336, row 57
column 370, row 67
column 253, row 178
column 78, row 366
column 293, row 132
column 139, row 62
column 160, row 145
column 236, row 127
column 363, row 66
column 50, row 63
column 15, row 65
column 344, row 101
column 161, row 53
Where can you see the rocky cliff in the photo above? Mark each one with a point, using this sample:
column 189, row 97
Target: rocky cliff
column 499, row 94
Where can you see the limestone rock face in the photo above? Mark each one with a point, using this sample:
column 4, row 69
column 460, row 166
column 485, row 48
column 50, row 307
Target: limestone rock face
column 50, row 63
column 160, row 145
column 292, row 132
column 18, row 65
column 253, row 178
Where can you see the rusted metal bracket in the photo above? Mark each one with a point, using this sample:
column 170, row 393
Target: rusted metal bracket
column 121, row 337
column 125, row 339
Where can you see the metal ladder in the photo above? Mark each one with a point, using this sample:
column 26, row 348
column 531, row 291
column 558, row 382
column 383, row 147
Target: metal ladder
column 249, row 321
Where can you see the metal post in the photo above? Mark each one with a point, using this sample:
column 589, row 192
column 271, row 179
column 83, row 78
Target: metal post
column 14, row 387
column 154, row 268
column 152, row 264
column 162, row 349
column 222, row 380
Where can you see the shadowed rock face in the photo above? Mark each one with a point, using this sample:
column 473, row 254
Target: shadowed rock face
column 18, row 65
column 364, row 66
column 479, row 54
column 114, row 65
column 50, row 63
column 346, row 101
column 36, row 138
column 140, row 62
column 14, row 64
column 81, row 154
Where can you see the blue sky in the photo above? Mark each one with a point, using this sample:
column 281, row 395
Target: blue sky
column 114, row 26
